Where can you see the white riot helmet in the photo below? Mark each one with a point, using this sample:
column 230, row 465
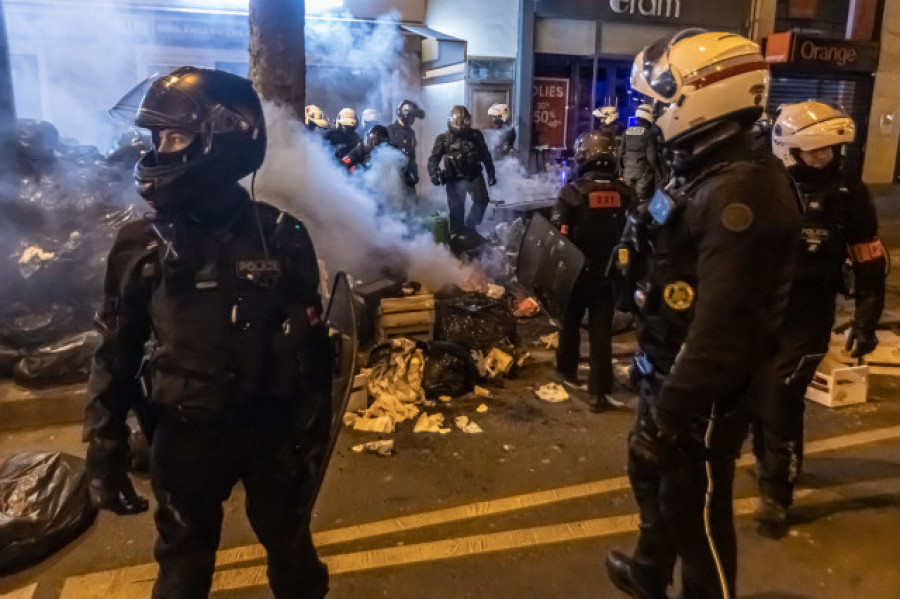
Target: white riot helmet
column 314, row 116
column 701, row 77
column 347, row 118
column 644, row 111
column 607, row 114
column 370, row 116
column 499, row 111
column 809, row 126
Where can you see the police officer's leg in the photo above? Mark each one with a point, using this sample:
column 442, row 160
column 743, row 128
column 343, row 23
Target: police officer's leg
column 276, row 483
column 480, row 200
column 601, row 308
column 778, row 426
column 456, row 203
column 650, row 567
column 569, row 345
column 696, row 499
column 192, row 468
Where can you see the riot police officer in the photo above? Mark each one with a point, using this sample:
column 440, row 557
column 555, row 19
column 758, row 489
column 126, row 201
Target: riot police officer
column 838, row 223
column 314, row 118
column 714, row 268
column 640, row 161
column 212, row 306
column 462, row 151
column 591, row 212
column 609, row 121
column 402, row 137
column 368, row 119
column 343, row 137
column 362, row 153
column 502, row 137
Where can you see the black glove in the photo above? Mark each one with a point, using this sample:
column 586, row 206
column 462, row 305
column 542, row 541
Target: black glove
column 118, row 497
column 860, row 341
column 435, row 180
column 651, row 449
column 492, row 180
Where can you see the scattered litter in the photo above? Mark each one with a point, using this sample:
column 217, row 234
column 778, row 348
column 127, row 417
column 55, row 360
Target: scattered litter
column 383, row 448
column 467, row 426
column 550, row 341
column 498, row 362
column 431, row 424
column 482, row 392
column 552, row 392
column 545, row 461
column 520, row 361
column 527, row 308
column 481, row 409
column 495, row 291
column 381, row 424
column 444, row 398
column 507, row 447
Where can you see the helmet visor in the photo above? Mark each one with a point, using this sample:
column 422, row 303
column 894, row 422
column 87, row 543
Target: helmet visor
column 652, row 72
column 168, row 105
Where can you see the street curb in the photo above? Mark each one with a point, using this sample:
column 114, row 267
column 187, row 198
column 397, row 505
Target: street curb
column 30, row 408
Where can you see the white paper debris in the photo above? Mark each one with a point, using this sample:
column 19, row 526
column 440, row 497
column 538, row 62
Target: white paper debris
column 550, row 341
column 481, row 391
column 495, row 291
column 467, row 426
column 383, row 448
column 433, row 423
column 382, row 424
column 481, row 409
column 552, row 392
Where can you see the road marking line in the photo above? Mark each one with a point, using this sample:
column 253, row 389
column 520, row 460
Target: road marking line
column 135, row 581
column 23, row 593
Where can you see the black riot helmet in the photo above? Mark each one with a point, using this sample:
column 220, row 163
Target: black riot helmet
column 223, row 113
column 408, row 111
column 376, row 136
column 595, row 151
column 459, row 120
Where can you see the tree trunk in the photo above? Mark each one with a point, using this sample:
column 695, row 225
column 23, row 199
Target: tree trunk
column 7, row 101
column 277, row 54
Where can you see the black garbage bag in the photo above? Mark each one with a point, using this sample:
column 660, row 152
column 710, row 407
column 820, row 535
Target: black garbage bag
column 449, row 370
column 26, row 325
column 67, row 361
column 9, row 356
column 44, row 504
column 474, row 321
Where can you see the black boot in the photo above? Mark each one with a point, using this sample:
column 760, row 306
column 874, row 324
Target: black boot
column 772, row 518
column 624, row 574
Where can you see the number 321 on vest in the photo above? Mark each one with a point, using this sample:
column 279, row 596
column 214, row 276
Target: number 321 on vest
column 604, row 199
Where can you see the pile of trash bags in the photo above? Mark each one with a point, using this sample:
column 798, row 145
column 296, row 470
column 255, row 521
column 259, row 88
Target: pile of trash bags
column 60, row 208
column 44, row 504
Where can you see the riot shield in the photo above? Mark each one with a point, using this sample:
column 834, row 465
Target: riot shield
column 340, row 317
column 548, row 265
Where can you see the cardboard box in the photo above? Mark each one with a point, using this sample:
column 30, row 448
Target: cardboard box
column 359, row 396
column 836, row 384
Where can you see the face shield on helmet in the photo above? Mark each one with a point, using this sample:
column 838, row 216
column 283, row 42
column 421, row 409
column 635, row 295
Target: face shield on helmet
column 347, row 119
column 459, row 120
column 314, row 117
column 700, row 78
column 376, row 136
column 408, row 111
column 222, row 115
column 499, row 114
column 607, row 114
column 809, row 126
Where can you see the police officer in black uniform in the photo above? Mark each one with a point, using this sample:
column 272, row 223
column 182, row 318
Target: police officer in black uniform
column 463, row 152
column 362, row 153
column 212, row 306
column 502, row 138
column 591, row 212
column 838, row 223
column 640, row 160
column 714, row 256
column 402, row 137
column 343, row 137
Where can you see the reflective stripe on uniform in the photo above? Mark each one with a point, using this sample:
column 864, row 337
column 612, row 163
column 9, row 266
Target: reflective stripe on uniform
column 723, row 581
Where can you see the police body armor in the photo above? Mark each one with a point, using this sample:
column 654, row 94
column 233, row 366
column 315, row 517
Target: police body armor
column 597, row 220
column 228, row 329
column 635, row 161
column 822, row 233
column 461, row 159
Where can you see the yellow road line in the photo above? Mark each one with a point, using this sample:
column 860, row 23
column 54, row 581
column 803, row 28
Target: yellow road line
column 135, row 582
column 23, row 593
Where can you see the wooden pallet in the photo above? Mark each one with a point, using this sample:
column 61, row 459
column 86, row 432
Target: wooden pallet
column 411, row 317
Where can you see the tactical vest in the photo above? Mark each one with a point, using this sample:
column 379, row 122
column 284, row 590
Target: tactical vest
column 822, row 232
column 461, row 158
column 597, row 221
column 635, row 152
column 227, row 332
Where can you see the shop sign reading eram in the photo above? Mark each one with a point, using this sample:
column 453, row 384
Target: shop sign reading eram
column 649, row 8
